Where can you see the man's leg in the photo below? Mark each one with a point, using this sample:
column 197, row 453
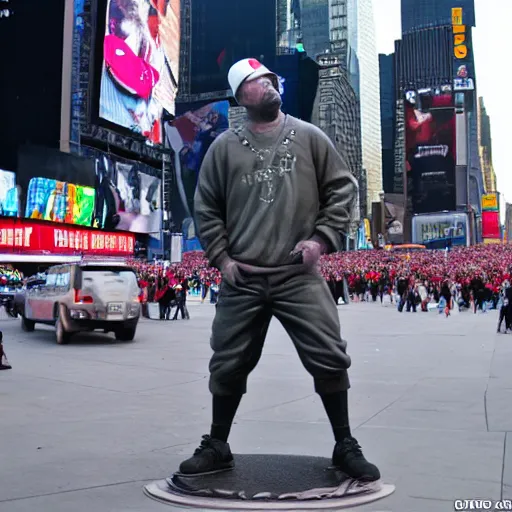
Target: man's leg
column 304, row 307
column 239, row 329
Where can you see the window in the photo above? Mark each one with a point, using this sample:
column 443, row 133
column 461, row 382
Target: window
column 51, row 279
column 63, row 279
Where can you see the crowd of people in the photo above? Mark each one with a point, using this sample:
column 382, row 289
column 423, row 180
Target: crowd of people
column 464, row 277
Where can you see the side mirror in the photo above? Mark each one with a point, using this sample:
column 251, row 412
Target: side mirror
column 77, row 284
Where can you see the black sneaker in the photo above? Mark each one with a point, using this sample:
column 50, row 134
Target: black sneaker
column 348, row 457
column 5, row 367
column 212, row 456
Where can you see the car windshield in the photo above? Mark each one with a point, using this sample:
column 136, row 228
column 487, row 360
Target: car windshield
column 110, row 282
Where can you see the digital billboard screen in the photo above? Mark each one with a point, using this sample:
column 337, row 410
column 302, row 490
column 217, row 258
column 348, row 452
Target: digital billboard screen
column 101, row 191
column 190, row 136
column 139, row 73
column 437, row 231
column 491, row 226
column 8, row 194
column 431, row 150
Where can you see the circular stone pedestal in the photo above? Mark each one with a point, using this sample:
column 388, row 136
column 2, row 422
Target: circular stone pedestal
column 269, row 482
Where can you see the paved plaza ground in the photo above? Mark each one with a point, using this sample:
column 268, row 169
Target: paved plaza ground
column 84, row 426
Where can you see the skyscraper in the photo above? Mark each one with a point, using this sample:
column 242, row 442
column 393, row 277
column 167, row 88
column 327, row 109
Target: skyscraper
column 425, row 58
column 387, row 115
column 485, row 148
column 419, row 14
column 369, row 98
column 315, row 26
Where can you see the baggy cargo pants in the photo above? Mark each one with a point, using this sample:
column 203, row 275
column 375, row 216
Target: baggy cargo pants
column 304, row 306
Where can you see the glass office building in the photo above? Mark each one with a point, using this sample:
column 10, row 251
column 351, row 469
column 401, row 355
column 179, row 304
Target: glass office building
column 387, row 113
column 369, row 98
column 419, row 14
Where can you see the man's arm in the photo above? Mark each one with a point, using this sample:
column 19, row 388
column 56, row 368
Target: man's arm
column 210, row 207
column 338, row 192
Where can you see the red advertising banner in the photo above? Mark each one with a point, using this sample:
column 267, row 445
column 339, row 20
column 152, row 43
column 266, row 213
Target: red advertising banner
column 18, row 235
column 491, row 227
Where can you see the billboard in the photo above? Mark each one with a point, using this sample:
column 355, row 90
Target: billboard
column 431, row 149
column 8, row 194
column 101, row 191
column 491, row 225
column 190, row 136
column 490, row 203
column 59, row 201
column 19, row 235
column 438, row 231
column 139, row 73
column 463, row 62
column 129, row 195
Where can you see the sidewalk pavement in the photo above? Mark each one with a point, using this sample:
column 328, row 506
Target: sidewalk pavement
column 84, row 426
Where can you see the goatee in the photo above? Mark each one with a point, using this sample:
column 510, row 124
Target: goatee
column 267, row 111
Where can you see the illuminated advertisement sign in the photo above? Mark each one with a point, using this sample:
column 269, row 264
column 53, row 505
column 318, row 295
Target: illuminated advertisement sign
column 139, row 75
column 490, row 203
column 25, row 236
column 190, row 136
column 8, row 194
column 436, row 231
column 100, row 191
column 491, row 225
column 460, row 49
column 430, row 149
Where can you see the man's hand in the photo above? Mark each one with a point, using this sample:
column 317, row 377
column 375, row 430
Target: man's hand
column 311, row 251
column 230, row 271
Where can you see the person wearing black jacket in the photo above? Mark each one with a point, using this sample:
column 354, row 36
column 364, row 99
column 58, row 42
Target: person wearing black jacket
column 506, row 304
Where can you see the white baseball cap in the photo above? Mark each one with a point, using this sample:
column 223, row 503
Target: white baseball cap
column 248, row 69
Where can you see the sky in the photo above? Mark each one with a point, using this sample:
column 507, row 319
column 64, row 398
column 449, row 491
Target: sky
column 494, row 74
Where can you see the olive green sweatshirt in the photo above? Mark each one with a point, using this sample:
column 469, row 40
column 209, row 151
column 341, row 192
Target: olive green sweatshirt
column 255, row 204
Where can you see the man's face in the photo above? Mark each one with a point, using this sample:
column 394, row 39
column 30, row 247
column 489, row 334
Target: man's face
column 261, row 97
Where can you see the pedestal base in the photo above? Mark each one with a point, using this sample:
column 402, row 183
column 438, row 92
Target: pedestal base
column 269, row 482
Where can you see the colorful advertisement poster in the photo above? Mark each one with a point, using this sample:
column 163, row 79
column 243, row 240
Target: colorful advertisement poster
column 439, row 231
column 190, row 136
column 463, row 62
column 490, row 203
column 58, row 201
column 431, row 150
column 491, row 225
column 140, row 64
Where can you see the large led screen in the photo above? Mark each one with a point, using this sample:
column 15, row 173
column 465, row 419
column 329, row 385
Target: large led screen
column 491, row 227
column 58, row 201
column 430, row 146
column 139, row 76
column 8, row 194
column 127, row 198
column 190, row 136
column 101, row 191
column 436, row 231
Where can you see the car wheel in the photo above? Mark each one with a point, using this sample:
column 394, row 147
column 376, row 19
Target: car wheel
column 125, row 334
column 27, row 325
column 61, row 335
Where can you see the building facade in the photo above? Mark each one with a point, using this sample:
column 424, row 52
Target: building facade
column 420, row 14
column 369, row 98
column 485, row 148
column 387, row 121
column 337, row 113
column 315, row 26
